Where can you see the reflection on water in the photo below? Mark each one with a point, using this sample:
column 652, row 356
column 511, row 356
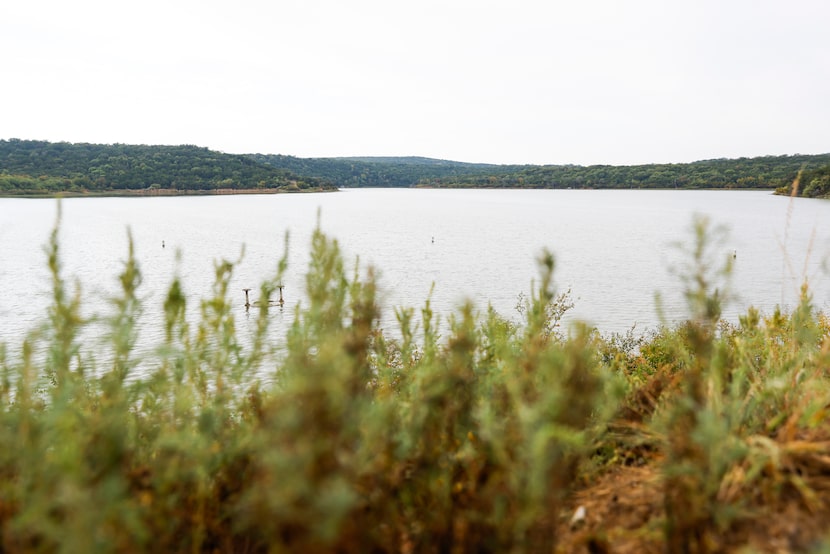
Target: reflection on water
column 614, row 249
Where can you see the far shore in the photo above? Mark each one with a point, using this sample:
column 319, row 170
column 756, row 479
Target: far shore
column 292, row 190
column 157, row 192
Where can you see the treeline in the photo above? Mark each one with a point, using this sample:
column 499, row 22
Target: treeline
column 766, row 172
column 39, row 167
column 813, row 183
column 379, row 171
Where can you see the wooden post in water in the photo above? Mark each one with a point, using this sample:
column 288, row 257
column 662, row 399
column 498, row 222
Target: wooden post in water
column 248, row 303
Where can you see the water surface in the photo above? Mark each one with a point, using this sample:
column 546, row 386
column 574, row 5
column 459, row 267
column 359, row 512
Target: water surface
column 614, row 249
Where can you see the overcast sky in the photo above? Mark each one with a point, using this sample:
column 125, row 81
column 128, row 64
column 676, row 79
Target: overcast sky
column 514, row 81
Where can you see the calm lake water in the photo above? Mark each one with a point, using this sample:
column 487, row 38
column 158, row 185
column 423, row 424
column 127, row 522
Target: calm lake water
column 614, row 249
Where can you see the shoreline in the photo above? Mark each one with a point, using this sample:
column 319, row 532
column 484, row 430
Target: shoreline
column 145, row 193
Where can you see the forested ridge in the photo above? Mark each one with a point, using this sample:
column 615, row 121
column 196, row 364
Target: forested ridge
column 40, row 167
column 744, row 173
column 767, row 172
column 379, row 171
column 813, row 183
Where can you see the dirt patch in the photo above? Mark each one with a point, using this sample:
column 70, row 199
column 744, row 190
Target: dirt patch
column 624, row 513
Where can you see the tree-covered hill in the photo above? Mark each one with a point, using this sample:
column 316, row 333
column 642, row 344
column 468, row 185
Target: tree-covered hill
column 813, row 183
column 379, row 171
column 743, row 173
column 767, row 172
column 39, row 167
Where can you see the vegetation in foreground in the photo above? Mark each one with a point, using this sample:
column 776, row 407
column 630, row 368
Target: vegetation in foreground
column 483, row 436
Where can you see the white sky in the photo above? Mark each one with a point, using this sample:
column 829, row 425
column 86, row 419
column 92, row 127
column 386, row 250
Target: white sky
column 515, row 81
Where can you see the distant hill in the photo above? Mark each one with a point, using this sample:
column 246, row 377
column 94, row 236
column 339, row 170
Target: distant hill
column 39, row 167
column 415, row 160
column 813, row 183
column 766, row 172
column 378, row 171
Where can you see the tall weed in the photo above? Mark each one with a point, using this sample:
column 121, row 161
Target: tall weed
column 470, row 439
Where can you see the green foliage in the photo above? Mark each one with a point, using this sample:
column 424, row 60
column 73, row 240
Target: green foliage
column 815, row 183
column 39, row 167
column 360, row 442
column 350, row 440
column 766, row 172
column 376, row 171
column 738, row 399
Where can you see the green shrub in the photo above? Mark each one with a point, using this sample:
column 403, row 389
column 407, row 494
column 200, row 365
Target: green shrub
column 346, row 439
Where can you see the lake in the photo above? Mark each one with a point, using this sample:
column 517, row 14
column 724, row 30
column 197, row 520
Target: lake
column 614, row 248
